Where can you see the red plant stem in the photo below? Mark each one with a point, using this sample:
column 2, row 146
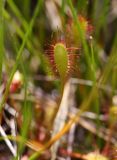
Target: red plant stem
column 107, row 145
column 72, row 154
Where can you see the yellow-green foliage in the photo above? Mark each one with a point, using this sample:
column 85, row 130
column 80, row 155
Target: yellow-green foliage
column 61, row 60
column 95, row 156
column 113, row 114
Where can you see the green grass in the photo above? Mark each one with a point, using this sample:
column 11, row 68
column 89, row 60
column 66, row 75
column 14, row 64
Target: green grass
column 1, row 37
column 19, row 54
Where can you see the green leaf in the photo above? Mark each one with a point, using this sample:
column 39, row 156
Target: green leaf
column 61, row 60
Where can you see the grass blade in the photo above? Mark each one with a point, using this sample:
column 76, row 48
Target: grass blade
column 38, row 7
column 1, row 36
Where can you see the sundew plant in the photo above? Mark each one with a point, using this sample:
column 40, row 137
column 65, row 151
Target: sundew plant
column 58, row 80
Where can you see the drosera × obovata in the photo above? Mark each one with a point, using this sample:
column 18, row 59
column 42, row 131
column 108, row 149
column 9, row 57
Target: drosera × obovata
column 62, row 59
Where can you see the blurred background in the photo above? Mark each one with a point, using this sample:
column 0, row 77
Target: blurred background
column 34, row 106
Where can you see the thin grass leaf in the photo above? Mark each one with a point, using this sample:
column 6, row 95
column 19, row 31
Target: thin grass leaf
column 26, row 8
column 112, row 61
column 20, row 17
column 27, row 109
column 82, row 37
column 17, row 13
column 1, row 36
column 82, row 6
column 38, row 7
column 100, row 14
